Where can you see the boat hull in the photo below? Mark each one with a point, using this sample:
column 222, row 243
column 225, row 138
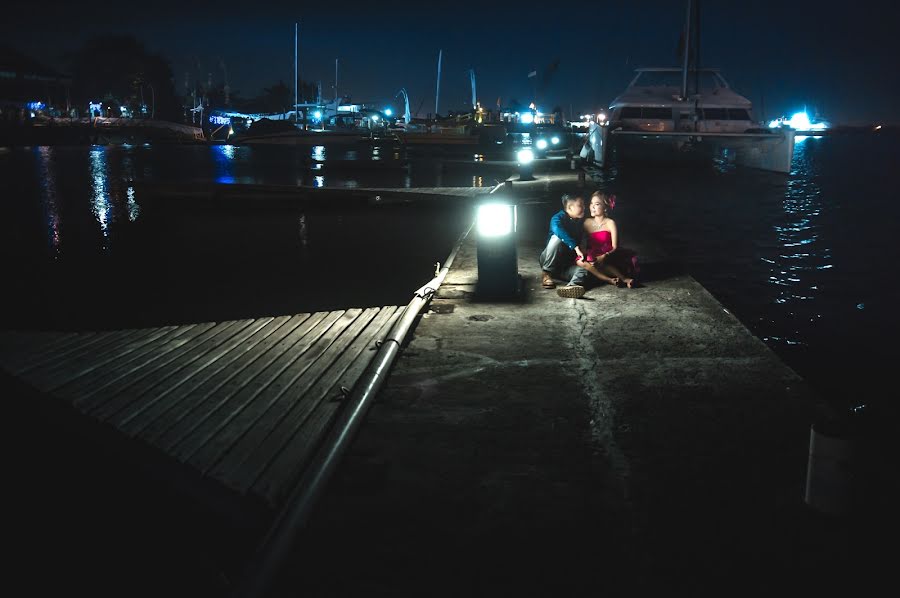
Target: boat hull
column 771, row 151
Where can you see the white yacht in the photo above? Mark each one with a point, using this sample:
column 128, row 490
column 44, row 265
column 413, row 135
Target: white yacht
column 686, row 113
column 654, row 101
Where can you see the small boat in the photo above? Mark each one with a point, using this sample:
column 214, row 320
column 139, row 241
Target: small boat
column 416, row 134
column 341, row 129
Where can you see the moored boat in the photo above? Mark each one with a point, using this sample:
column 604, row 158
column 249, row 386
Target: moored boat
column 687, row 113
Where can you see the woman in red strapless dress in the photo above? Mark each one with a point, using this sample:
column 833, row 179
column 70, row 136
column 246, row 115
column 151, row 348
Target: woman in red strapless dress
column 603, row 257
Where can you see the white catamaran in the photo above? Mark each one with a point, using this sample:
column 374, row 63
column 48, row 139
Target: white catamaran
column 687, row 112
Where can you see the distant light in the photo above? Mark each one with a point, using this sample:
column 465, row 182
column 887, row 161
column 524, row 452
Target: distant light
column 219, row 120
column 878, row 127
column 554, row 140
column 388, row 111
column 527, row 118
column 601, row 117
column 317, row 114
column 541, row 144
column 375, row 117
column 799, row 122
column 525, row 156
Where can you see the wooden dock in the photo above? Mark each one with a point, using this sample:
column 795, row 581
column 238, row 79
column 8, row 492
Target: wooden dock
column 243, row 404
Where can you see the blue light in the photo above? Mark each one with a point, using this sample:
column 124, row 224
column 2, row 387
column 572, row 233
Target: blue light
column 35, row 105
column 317, row 114
column 388, row 112
column 219, row 120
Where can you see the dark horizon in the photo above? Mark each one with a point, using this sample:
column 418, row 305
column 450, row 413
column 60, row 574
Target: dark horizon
column 783, row 58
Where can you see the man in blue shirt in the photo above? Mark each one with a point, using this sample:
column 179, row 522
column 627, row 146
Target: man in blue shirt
column 558, row 258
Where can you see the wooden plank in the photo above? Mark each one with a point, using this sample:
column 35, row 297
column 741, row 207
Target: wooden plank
column 256, row 375
column 156, row 355
column 184, row 401
column 259, row 416
column 194, row 374
column 276, row 479
column 81, row 362
column 18, row 345
column 115, row 355
column 80, row 387
column 178, row 359
column 61, row 351
column 273, row 380
column 243, row 464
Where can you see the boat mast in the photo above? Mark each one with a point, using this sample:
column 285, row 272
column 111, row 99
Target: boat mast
column 687, row 52
column 296, row 27
column 437, row 93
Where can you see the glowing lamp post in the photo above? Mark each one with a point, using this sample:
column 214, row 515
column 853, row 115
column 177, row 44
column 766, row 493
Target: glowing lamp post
column 525, row 159
column 498, row 274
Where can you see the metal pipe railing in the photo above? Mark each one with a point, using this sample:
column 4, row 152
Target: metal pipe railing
column 276, row 545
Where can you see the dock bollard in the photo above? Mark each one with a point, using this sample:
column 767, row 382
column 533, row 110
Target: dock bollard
column 829, row 471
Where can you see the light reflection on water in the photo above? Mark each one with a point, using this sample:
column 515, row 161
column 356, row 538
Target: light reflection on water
column 100, row 195
column 46, row 171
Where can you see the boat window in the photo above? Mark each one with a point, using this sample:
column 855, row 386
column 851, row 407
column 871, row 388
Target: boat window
column 738, row 114
column 715, row 113
column 663, row 113
column 631, row 112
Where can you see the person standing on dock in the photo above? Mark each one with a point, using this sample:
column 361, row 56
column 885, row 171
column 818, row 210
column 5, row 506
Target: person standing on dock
column 559, row 255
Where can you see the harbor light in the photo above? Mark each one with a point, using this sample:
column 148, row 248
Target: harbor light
column 496, row 254
column 388, row 112
column 541, row 144
column 554, row 140
column 525, row 158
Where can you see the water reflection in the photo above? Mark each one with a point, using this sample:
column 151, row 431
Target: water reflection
column 99, row 193
column 46, row 170
column 801, row 257
column 224, row 158
column 134, row 209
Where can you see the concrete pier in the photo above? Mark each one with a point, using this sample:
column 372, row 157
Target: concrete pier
column 628, row 441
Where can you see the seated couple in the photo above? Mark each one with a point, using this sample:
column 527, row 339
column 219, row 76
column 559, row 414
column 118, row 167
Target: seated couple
column 586, row 250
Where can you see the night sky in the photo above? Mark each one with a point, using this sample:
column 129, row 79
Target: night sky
column 782, row 55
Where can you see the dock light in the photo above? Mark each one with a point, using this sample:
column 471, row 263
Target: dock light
column 554, row 140
column 388, row 112
column 541, row 144
column 496, row 254
column 526, row 164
